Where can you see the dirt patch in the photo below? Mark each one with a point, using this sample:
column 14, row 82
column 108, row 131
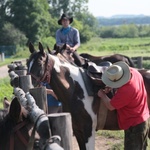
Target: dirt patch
column 101, row 143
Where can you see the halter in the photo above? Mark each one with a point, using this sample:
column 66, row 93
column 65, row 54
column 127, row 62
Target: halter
column 47, row 73
column 16, row 131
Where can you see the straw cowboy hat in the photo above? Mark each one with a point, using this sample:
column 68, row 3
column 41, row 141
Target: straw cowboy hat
column 116, row 75
column 65, row 16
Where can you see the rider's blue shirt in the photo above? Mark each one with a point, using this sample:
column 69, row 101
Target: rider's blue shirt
column 68, row 36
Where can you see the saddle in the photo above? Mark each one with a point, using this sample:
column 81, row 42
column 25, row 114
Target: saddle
column 92, row 76
column 95, row 71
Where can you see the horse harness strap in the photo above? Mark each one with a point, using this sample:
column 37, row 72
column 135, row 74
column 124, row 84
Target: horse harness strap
column 18, row 133
column 46, row 77
column 48, row 69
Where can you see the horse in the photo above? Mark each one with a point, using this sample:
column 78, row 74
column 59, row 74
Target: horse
column 112, row 58
column 85, row 57
column 14, row 128
column 17, row 131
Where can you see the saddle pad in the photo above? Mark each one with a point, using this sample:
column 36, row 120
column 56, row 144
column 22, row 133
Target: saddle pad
column 87, row 81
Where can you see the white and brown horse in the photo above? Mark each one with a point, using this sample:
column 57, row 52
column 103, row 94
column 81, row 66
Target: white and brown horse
column 67, row 82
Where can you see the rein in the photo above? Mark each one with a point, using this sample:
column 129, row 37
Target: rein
column 16, row 131
column 47, row 73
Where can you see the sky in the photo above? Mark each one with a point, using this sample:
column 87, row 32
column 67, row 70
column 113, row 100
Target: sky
column 108, row 8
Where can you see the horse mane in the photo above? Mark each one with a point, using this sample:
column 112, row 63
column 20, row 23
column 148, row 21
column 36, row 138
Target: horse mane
column 62, row 58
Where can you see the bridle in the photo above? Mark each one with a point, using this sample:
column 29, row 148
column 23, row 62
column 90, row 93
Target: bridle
column 47, row 73
column 16, row 132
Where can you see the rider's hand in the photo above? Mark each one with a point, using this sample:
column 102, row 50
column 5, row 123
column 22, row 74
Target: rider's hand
column 67, row 46
column 72, row 49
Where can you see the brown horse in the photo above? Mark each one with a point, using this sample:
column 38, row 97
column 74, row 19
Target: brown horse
column 14, row 128
column 112, row 58
column 17, row 132
column 87, row 57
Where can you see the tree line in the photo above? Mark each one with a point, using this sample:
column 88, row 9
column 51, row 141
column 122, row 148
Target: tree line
column 22, row 21
column 125, row 31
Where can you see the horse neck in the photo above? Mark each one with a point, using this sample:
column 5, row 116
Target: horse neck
column 61, row 81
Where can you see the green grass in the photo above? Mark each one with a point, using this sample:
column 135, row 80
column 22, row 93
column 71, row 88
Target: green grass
column 116, row 136
column 6, row 90
column 8, row 61
column 96, row 46
column 127, row 46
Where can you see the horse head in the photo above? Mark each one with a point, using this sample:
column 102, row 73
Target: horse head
column 39, row 59
column 14, row 133
column 65, row 52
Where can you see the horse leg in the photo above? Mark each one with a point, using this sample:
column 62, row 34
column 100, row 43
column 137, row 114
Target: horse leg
column 90, row 145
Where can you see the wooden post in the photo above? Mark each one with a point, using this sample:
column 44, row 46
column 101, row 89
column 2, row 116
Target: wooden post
column 139, row 62
column 3, row 56
column 40, row 96
column 60, row 124
column 25, row 83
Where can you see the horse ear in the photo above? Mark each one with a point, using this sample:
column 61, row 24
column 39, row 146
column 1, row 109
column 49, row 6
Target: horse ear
column 31, row 48
column 49, row 51
column 15, row 110
column 41, row 48
column 64, row 46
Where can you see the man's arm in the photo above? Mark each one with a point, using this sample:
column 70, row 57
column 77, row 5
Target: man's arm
column 77, row 41
column 105, row 99
column 51, row 92
column 58, row 40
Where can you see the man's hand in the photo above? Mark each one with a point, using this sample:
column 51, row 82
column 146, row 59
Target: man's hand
column 101, row 93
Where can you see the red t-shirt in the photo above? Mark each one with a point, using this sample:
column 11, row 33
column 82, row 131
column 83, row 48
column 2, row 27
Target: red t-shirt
column 130, row 101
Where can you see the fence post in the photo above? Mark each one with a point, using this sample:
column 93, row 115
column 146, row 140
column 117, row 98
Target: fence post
column 2, row 56
column 25, row 82
column 40, row 96
column 139, row 62
column 60, row 124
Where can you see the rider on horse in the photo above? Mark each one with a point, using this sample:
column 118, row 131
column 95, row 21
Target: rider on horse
column 69, row 36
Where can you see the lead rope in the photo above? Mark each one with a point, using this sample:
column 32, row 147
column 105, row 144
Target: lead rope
column 31, row 140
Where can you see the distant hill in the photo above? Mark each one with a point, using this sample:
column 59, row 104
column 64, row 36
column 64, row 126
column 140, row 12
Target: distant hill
column 124, row 19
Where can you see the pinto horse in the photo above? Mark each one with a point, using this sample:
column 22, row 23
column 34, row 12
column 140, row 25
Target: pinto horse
column 67, row 82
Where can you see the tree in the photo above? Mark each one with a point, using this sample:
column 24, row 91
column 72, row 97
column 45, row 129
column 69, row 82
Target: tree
column 2, row 13
column 57, row 7
column 12, row 36
column 31, row 17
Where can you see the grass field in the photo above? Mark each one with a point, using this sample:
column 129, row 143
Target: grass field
column 99, row 47
column 130, row 47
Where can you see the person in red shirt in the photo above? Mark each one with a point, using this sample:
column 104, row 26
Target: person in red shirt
column 130, row 101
